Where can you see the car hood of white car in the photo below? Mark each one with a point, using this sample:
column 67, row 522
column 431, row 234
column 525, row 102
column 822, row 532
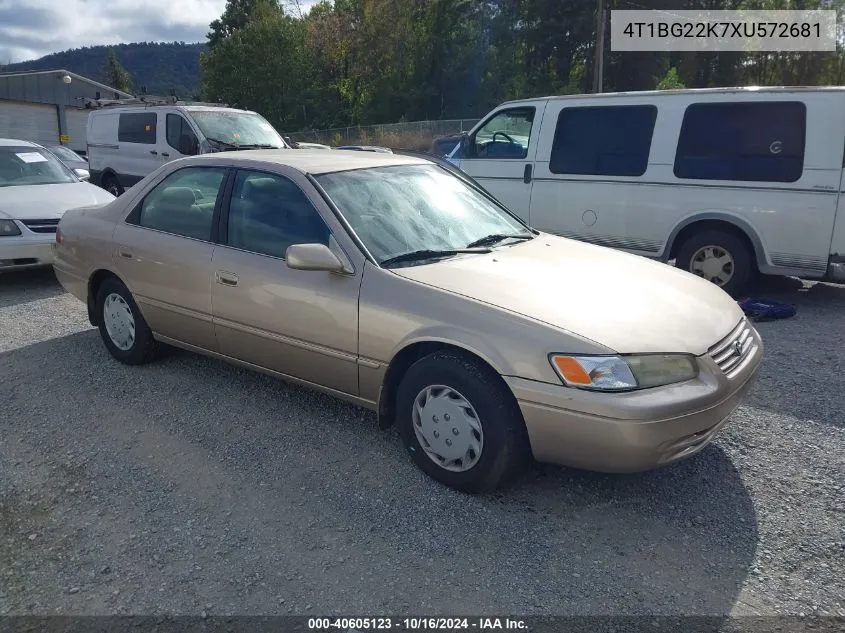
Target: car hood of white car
column 42, row 202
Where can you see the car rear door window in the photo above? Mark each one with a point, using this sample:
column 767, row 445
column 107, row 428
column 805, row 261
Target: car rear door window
column 753, row 142
column 268, row 213
column 603, row 140
column 137, row 127
column 183, row 203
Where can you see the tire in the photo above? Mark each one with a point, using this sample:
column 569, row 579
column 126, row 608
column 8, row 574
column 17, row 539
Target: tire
column 744, row 267
column 112, row 185
column 504, row 449
column 143, row 347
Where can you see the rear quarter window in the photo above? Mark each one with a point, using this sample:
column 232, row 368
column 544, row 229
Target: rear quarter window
column 752, row 141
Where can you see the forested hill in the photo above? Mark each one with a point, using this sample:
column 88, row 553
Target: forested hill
column 158, row 66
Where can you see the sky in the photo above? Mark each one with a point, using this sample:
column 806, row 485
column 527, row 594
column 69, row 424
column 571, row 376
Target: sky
column 30, row 29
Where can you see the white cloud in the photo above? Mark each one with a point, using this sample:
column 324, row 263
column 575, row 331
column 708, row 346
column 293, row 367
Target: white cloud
column 33, row 28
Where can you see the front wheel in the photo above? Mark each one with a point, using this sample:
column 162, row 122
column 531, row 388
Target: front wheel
column 719, row 257
column 460, row 422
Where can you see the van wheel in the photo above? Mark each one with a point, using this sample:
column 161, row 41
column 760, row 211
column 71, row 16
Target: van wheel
column 719, row 257
column 460, row 423
column 111, row 185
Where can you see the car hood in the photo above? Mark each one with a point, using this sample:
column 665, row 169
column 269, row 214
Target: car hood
column 29, row 202
column 624, row 302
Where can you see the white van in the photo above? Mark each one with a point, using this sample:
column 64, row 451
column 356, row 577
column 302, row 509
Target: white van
column 726, row 182
column 125, row 143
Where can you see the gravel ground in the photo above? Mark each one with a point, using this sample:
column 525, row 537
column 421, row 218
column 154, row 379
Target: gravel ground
column 191, row 486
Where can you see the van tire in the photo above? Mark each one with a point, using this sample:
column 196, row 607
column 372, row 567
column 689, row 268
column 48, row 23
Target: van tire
column 744, row 268
column 112, row 185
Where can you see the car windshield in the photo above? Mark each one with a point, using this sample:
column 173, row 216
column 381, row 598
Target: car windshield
column 403, row 209
column 66, row 153
column 22, row 165
column 237, row 128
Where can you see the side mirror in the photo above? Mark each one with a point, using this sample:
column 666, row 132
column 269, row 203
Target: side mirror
column 464, row 147
column 313, row 257
column 188, row 145
column 82, row 174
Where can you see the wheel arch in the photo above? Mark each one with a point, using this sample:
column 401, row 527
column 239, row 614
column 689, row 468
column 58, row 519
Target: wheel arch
column 94, row 282
column 716, row 220
column 108, row 172
column 407, row 355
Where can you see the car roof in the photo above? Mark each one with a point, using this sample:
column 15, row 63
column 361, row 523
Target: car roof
column 312, row 161
column 9, row 142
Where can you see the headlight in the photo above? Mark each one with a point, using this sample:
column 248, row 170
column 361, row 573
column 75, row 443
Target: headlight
column 624, row 373
column 8, row 228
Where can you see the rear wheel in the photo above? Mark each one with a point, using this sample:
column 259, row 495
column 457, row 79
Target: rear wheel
column 460, row 422
column 111, row 184
column 122, row 327
column 719, row 257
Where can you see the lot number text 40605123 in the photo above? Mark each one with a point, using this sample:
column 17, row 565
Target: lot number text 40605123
column 354, row 625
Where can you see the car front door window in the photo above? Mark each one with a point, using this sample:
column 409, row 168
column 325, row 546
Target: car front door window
column 268, row 213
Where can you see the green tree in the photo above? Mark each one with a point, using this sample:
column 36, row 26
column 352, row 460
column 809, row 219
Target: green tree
column 235, row 16
column 259, row 66
column 670, row 81
column 116, row 75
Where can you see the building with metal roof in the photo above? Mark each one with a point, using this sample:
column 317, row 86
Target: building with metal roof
column 48, row 106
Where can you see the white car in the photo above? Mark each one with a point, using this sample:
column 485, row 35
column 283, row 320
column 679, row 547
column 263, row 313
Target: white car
column 36, row 189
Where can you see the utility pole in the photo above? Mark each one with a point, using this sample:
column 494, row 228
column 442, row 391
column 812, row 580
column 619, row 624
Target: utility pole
column 598, row 69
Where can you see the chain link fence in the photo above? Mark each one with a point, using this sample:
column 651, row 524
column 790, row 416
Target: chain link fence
column 415, row 135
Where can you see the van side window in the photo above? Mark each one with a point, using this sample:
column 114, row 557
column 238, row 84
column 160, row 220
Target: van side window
column 177, row 128
column 753, row 142
column 505, row 135
column 183, row 203
column 603, row 140
column 137, row 127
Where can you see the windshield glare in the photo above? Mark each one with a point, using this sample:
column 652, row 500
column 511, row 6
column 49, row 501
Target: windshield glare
column 237, row 128
column 400, row 209
column 65, row 153
column 31, row 166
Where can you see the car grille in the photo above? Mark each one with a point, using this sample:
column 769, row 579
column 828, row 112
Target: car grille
column 41, row 226
column 733, row 352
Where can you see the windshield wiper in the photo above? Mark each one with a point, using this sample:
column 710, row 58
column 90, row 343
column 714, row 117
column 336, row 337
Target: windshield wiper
column 259, row 146
column 223, row 143
column 428, row 253
column 489, row 240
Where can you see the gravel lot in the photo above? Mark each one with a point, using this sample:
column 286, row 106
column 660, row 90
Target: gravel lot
column 191, row 486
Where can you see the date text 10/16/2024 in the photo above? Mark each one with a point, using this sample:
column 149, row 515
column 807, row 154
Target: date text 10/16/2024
column 360, row 625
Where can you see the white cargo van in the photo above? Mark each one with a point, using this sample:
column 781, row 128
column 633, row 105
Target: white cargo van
column 726, row 182
column 127, row 142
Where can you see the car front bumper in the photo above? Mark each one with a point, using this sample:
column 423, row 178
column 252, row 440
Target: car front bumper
column 26, row 251
column 633, row 431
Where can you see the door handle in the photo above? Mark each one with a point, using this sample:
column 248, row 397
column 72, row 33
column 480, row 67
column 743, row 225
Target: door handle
column 227, row 279
column 526, row 176
column 165, row 154
column 126, row 254
column 152, row 151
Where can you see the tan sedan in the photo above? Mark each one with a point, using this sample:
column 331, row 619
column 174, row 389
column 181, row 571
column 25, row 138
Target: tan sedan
column 400, row 286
